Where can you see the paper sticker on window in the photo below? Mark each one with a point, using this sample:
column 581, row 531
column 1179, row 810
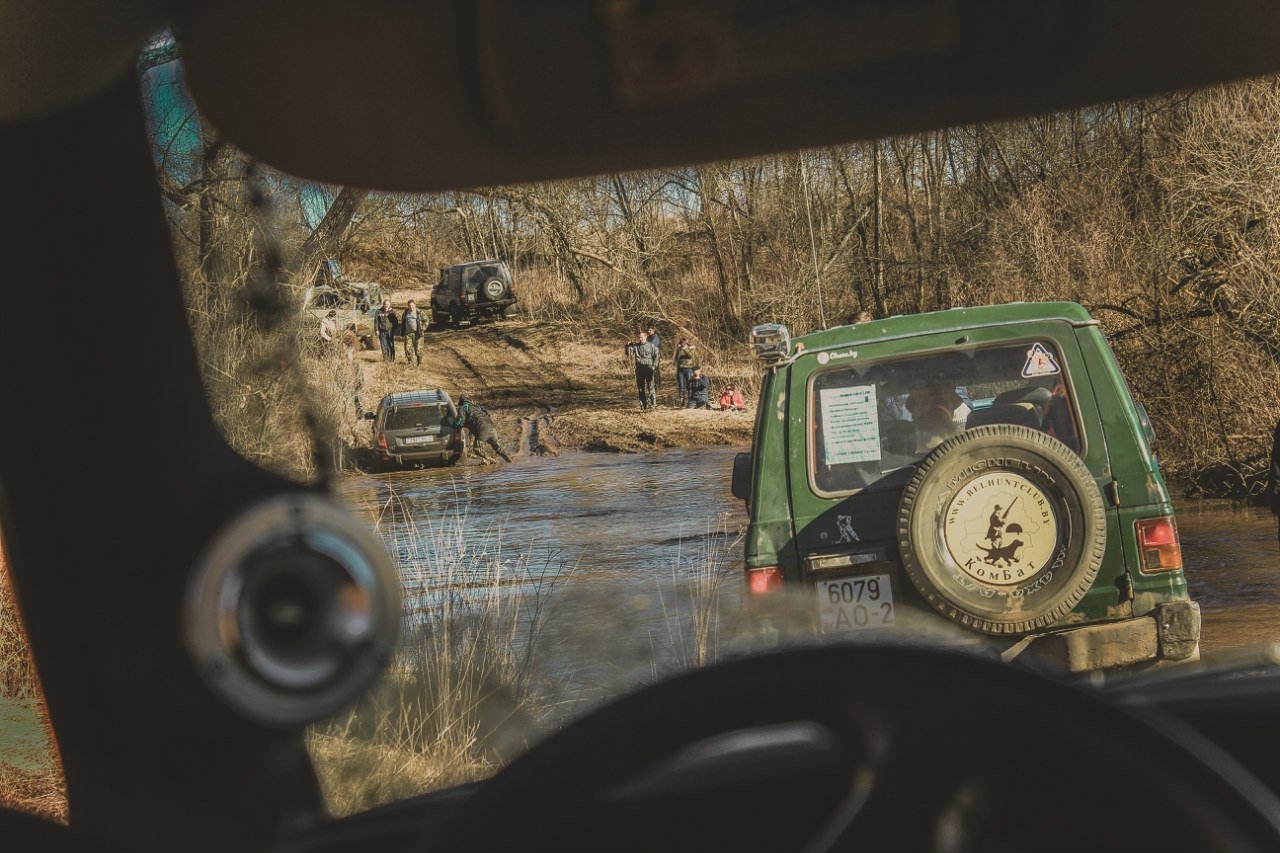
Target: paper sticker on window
column 1040, row 362
column 850, row 427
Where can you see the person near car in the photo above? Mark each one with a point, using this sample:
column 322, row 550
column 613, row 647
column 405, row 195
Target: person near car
column 731, row 399
column 684, row 368
column 412, row 324
column 328, row 327
column 1273, row 478
column 385, row 323
column 652, row 336
column 644, row 356
column 699, row 387
column 474, row 418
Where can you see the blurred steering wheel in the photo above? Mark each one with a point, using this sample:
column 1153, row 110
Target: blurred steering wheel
column 939, row 750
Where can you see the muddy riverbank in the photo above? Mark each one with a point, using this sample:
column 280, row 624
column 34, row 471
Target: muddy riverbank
column 550, row 391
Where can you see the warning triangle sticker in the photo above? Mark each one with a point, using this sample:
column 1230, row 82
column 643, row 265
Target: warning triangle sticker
column 1040, row 362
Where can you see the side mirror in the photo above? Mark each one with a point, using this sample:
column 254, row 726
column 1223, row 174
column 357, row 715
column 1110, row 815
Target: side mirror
column 1148, row 431
column 741, row 484
column 370, row 416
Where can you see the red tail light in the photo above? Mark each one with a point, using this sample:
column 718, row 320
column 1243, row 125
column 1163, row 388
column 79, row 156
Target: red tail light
column 764, row 579
column 1158, row 544
column 382, row 440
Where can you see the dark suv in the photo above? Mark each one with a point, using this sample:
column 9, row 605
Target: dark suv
column 986, row 465
column 415, row 427
column 472, row 289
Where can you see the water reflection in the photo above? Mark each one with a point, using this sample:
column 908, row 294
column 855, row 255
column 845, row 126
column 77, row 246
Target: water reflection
column 1229, row 550
column 634, row 560
column 643, row 554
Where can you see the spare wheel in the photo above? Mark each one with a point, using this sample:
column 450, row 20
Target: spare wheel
column 493, row 289
column 1002, row 529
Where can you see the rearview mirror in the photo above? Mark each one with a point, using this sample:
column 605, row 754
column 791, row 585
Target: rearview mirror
column 504, row 91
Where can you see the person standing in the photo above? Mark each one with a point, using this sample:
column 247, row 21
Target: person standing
column 645, row 356
column 684, row 369
column 385, row 322
column 478, row 422
column 350, row 340
column 412, row 324
column 698, row 389
column 652, row 336
column 328, row 328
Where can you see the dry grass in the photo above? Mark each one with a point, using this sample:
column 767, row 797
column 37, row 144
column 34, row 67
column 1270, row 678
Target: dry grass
column 460, row 699
column 696, row 632
column 31, row 778
column 623, row 427
column 42, row 793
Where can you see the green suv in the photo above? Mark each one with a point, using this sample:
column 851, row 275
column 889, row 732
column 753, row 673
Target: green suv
column 983, row 466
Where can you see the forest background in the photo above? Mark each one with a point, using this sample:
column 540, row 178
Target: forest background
column 1161, row 216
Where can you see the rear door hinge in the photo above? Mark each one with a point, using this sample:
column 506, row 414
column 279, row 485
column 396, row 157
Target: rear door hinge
column 1112, row 491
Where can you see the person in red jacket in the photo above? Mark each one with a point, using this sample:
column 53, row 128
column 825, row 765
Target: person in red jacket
column 731, row 399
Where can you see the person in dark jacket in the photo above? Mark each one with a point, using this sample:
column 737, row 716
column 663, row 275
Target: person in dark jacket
column 478, row 422
column 698, row 388
column 652, row 336
column 385, row 323
column 1273, row 478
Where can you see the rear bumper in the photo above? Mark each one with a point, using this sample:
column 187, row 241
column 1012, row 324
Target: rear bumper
column 445, row 454
column 1169, row 633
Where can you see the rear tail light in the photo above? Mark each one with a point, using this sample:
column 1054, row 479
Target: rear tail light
column 1158, row 544
column 382, row 440
column 764, row 579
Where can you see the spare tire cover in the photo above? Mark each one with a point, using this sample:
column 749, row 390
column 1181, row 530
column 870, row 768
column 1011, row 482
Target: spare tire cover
column 493, row 289
column 1002, row 529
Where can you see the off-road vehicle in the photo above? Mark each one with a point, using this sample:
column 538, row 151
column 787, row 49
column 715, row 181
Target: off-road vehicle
column 354, row 301
column 416, row 427
column 472, row 289
column 985, row 465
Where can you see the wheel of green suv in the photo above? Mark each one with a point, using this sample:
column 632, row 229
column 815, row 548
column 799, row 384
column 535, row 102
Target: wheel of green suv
column 1002, row 529
column 493, row 289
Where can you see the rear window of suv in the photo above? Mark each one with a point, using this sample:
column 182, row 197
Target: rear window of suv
column 871, row 419
column 415, row 417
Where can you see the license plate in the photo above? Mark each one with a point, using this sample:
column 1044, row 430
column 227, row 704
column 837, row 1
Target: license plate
column 419, row 439
column 855, row 603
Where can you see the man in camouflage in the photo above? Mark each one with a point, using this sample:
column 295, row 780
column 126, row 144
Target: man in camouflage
column 480, row 425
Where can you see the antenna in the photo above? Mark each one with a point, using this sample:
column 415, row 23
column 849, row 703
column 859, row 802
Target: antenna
column 813, row 245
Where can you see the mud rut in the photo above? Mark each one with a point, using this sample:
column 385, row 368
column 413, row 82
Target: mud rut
column 508, row 366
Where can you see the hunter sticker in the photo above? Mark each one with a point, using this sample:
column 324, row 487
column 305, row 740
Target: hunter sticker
column 1040, row 362
column 1001, row 529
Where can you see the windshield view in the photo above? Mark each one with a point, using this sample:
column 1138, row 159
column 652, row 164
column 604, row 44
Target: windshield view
column 1004, row 389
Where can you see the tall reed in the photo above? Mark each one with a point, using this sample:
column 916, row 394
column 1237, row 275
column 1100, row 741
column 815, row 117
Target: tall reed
column 461, row 697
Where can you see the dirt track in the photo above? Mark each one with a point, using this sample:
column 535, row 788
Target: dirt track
column 547, row 391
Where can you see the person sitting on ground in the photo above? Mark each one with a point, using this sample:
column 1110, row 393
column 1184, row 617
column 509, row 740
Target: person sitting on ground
column 699, row 387
column 478, row 422
column 731, row 400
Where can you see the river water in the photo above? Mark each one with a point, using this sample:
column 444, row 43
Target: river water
column 629, row 564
